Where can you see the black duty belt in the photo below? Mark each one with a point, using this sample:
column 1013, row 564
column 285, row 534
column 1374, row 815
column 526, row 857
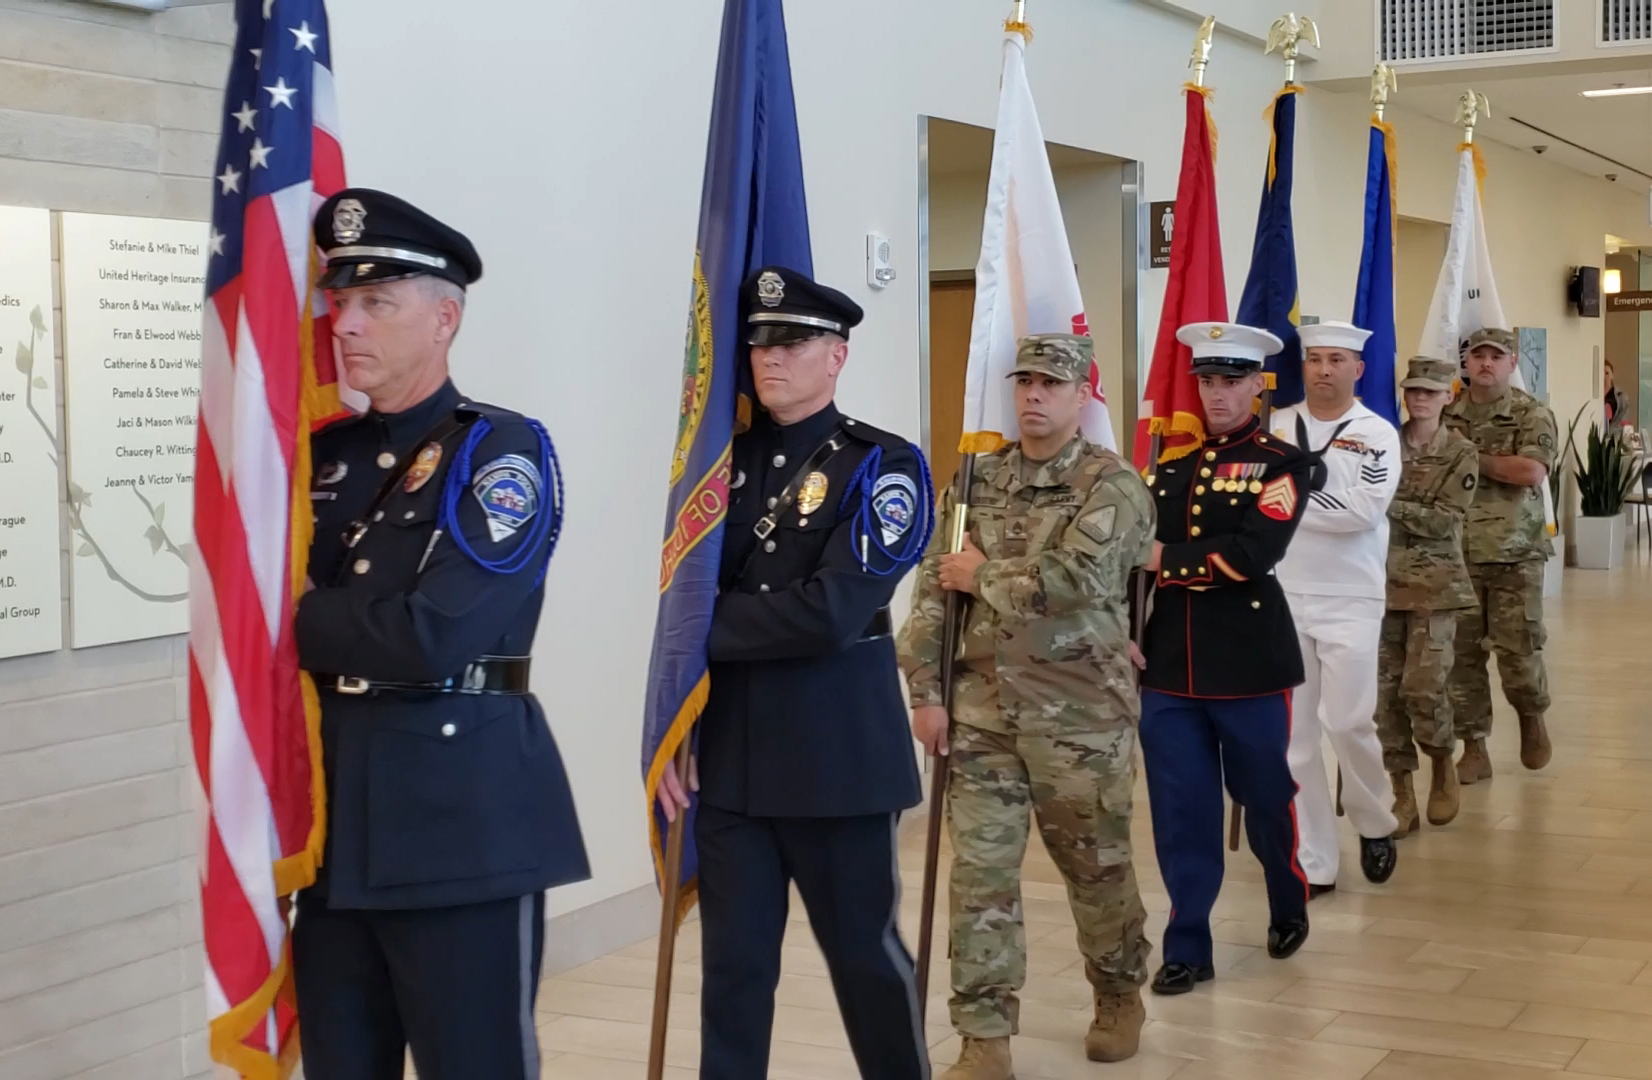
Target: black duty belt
column 487, row 675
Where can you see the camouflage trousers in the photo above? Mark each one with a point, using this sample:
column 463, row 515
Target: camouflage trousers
column 1510, row 620
column 1079, row 786
column 1414, row 659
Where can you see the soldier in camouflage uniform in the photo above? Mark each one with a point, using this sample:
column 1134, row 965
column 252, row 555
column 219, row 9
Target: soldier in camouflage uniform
column 1506, row 544
column 1045, row 708
column 1428, row 585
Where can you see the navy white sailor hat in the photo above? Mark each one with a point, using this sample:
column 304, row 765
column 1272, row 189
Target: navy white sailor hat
column 368, row 236
column 1222, row 348
column 782, row 305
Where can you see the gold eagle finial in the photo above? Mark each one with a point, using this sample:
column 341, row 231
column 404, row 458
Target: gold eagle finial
column 1472, row 108
column 1383, row 82
column 1285, row 37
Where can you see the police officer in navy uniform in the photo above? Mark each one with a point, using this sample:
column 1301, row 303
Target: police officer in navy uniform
column 448, row 808
column 804, row 758
column 1221, row 655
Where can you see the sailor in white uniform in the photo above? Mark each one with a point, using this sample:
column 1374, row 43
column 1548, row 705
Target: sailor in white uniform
column 1335, row 578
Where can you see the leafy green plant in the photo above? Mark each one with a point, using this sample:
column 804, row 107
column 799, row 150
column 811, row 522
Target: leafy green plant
column 1605, row 472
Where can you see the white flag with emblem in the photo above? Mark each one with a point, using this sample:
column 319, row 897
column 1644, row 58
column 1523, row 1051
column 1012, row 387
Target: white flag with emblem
column 1025, row 281
column 1465, row 294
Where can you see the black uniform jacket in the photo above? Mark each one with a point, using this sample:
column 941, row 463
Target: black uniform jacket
column 434, row 799
column 1220, row 627
column 806, row 717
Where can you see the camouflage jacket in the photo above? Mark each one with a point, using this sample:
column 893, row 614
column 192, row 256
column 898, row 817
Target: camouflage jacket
column 1425, row 546
column 1045, row 645
column 1506, row 523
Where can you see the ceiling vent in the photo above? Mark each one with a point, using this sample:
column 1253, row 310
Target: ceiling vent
column 1625, row 22
column 1420, row 31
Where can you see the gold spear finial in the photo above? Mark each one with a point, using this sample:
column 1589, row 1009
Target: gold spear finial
column 1201, row 49
column 1017, row 22
column 1383, row 83
column 1285, row 37
column 1472, row 107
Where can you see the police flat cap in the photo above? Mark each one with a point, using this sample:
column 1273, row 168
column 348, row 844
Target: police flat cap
column 782, row 305
column 368, row 236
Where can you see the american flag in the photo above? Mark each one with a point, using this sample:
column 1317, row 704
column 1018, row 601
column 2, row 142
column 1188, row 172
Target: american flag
column 267, row 379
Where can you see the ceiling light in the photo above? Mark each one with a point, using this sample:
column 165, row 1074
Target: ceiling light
column 1612, row 282
column 1619, row 91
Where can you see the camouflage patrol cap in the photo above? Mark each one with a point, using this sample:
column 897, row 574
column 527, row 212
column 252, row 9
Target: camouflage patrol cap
column 1063, row 356
column 1427, row 373
column 1491, row 335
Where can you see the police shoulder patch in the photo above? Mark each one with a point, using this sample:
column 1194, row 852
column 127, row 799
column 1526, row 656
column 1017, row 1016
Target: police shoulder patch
column 895, row 504
column 508, row 489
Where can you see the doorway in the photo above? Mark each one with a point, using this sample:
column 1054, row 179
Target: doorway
column 1105, row 229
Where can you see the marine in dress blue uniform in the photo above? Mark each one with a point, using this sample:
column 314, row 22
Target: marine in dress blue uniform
column 449, row 810
column 805, row 760
column 1222, row 658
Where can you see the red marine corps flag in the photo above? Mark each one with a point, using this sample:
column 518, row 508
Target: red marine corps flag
column 267, row 379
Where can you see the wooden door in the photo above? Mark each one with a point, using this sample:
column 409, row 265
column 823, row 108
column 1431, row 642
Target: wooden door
column 951, row 309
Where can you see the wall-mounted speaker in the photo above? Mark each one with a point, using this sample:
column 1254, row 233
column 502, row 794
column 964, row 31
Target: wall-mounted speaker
column 1583, row 291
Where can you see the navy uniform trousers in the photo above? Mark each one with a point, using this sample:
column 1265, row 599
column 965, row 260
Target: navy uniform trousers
column 845, row 869
column 1188, row 745
column 373, row 982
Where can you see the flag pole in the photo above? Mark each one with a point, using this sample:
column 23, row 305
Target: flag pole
column 670, row 886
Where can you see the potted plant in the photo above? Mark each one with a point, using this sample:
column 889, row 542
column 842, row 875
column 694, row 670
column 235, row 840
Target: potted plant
column 1605, row 476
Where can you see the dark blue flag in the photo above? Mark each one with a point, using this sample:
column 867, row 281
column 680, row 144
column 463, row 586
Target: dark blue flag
column 1270, row 297
column 1374, row 296
column 752, row 213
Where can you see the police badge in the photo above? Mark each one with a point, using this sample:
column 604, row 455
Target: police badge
column 771, row 289
column 895, row 502
column 813, row 493
column 419, row 473
column 349, row 221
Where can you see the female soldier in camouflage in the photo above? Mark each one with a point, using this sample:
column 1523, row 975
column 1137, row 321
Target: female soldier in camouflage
column 1428, row 584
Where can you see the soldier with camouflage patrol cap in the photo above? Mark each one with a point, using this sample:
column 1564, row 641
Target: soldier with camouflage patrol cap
column 1506, row 544
column 1428, row 586
column 1045, row 707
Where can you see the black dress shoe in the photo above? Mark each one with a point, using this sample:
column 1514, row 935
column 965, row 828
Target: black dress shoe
column 1180, row 978
column 1378, row 858
column 1316, row 891
column 1286, row 937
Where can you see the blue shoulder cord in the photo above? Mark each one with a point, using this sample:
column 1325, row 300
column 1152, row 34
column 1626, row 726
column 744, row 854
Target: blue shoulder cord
column 863, row 482
column 548, row 523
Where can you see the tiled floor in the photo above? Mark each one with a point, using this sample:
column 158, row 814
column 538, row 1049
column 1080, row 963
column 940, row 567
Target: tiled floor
column 1514, row 944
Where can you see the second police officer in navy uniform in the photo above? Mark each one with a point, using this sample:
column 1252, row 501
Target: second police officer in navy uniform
column 1222, row 657
column 449, row 811
column 804, row 759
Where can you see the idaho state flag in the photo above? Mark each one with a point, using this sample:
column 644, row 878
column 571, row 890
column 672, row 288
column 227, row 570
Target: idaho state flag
column 1196, row 292
column 752, row 214
column 1269, row 301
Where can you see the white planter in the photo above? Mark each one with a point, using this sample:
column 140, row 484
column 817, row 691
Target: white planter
column 1599, row 542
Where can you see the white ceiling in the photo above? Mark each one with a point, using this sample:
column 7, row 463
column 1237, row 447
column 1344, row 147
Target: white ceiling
column 1616, row 128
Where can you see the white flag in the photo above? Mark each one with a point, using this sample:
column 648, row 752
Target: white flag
column 1025, row 282
column 1465, row 296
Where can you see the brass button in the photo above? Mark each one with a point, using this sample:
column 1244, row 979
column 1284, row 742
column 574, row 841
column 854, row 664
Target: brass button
column 1210, row 455
column 1164, row 573
column 768, row 545
column 378, row 515
column 408, row 516
column 779, row 460
column 362, row 566
column 802, row 521
column 1200, row 490
column 1201, row 569
column 772, row 501
column 448, row 731
column 1184, row 571
column 386, row 460
column 1261, row 438
column 1204, row 472
column 1197, row 510
column 1161, row 491
column 1256, row 603
column 762, row 588
column 1233, row 502
column 1195, row 530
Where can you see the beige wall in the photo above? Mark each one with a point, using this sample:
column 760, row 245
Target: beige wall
column 1419, row 248
column 100, row 967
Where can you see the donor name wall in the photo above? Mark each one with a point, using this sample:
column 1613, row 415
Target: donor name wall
column 132, row 309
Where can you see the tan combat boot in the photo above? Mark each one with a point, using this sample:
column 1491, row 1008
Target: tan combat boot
column 1405, row 805
column 1442, row 789
column 1115, row 1033
column 982, row 1059
column 1474, row 764
column 1534, row 742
